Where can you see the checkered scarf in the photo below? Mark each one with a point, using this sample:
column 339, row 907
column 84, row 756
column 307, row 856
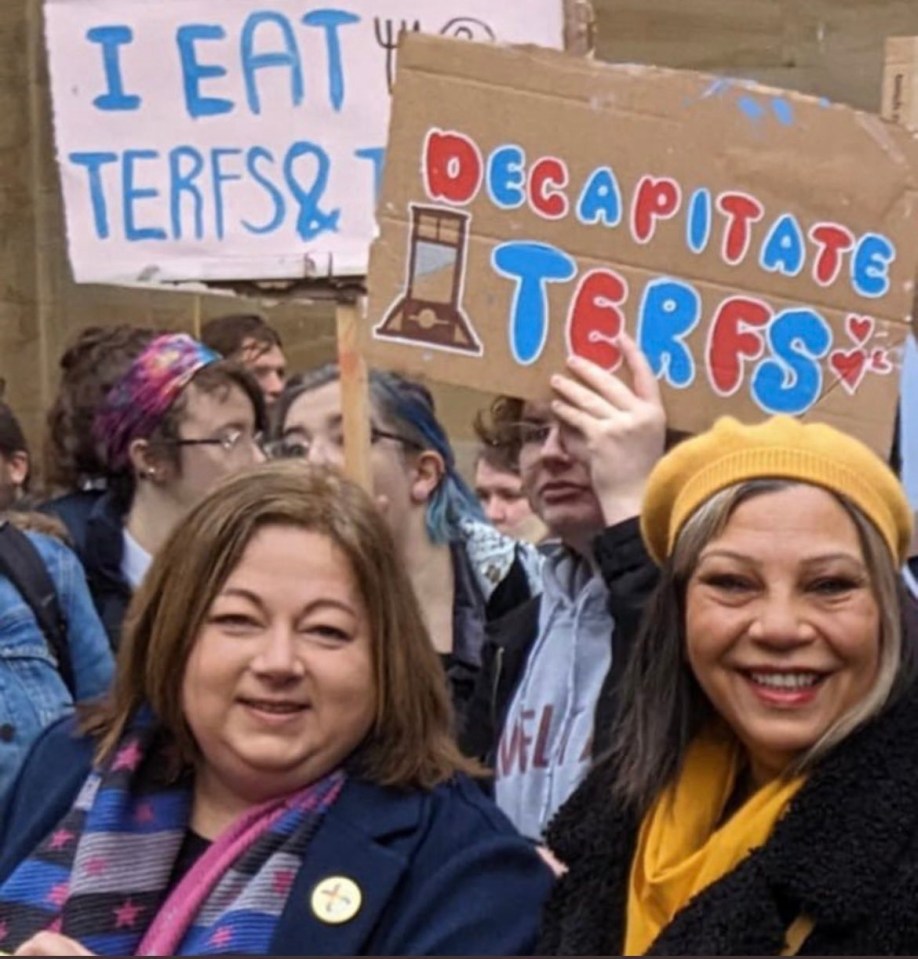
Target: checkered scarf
column 102, row 877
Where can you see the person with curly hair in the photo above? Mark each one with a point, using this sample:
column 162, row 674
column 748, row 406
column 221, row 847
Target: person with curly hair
column 169, row 420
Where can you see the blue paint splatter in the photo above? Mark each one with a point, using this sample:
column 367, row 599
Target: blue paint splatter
column 752, row 108
column 783, row 111
column 825, row 102
column 717, row 87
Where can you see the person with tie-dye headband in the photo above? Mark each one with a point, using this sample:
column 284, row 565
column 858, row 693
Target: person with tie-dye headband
column 177, row 420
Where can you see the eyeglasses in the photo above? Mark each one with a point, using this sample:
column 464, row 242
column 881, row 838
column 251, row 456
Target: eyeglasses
column 300, row 446
column 228, row 441
column 532, row 432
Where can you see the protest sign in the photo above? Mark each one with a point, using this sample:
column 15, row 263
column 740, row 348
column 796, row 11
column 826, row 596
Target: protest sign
column 760, row 245
column 231, row 140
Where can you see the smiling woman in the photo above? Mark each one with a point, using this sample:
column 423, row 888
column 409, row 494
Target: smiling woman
column 763, row 767
column 275, row 772
column 466, row 573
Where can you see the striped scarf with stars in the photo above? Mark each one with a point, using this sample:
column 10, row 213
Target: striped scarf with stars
column 104, row 876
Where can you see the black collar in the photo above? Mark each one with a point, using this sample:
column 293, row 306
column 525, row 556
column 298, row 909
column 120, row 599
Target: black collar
column 850, row 820
column 831, row 857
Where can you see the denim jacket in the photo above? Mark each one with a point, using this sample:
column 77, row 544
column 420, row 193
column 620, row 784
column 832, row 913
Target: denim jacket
column 32, row 693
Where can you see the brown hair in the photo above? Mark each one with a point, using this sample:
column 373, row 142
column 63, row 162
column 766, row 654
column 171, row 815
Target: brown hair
column 216, row 379
column 227, row 334
column 498, row 430
column 90, row 367
column 12, row 439
column 411, row 743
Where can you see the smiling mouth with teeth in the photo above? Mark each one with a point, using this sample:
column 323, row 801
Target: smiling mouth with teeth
column 789, row 681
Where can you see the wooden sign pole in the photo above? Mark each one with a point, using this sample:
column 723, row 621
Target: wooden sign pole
column 355, row 396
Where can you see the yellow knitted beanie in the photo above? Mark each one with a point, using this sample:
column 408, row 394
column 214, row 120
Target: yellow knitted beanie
column 780, row 448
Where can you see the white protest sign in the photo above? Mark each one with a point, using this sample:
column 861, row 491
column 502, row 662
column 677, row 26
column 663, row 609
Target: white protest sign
column 202, row 140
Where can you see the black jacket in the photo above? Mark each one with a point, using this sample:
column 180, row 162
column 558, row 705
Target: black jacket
column 471, row 615
column 73, row 510
column 845, row 855
column 630, row 576
column 96, row 524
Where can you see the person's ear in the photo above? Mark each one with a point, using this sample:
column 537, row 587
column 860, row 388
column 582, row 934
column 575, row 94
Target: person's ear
column 427, row 473
column 18, row 468
column 144, row 463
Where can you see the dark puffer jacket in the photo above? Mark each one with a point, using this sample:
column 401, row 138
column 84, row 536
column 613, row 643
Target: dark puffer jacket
column 845, row 855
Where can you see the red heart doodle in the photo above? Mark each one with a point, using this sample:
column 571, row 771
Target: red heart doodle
column 850, row 367
column 879, row 362
column 860, row 328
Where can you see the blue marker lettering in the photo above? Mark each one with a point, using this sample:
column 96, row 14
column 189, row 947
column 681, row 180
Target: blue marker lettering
column 698, row 227
column 94, row 163
column 506, row 179
column 220, row 176
column 870, row 265
column 783, row 250
column 669, row 311
column 330, row 21
column 183, row 182
column 600, row 200
column 133, row 193
column 252, row 62
column 194, row 72
column 110, row 39
column 277, row 198
column 791, row 382
column 311, row 220
column 532, row 266
column 376, row 156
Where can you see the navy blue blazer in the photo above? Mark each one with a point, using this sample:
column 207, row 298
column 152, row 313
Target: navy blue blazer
column 440, row 872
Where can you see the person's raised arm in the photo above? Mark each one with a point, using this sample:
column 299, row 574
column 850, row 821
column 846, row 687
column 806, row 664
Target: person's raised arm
column 617, row 429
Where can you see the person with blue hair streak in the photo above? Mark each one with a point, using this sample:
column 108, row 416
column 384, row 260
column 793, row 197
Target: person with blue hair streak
column 465, row 572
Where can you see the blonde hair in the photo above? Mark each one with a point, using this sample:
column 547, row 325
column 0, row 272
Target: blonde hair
column 709, row 522
column 663, row 707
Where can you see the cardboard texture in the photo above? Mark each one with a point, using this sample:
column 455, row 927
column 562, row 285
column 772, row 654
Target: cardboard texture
column 830, row 48
column 231, row 141
column 579, row 27
column 760, row 245
column 899, row 100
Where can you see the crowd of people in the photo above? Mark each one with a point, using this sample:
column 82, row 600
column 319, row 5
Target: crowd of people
column 626, row 692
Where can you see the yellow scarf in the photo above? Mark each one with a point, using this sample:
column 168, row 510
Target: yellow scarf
column 681, row 850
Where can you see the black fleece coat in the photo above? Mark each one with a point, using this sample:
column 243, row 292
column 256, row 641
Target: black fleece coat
column 845, row 854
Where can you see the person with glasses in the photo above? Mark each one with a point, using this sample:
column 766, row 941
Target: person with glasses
column 464, row 572
column 549, row 668
column 174, row 423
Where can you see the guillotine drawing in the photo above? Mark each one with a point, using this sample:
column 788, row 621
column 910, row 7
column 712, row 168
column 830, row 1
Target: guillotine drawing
column 429, row 310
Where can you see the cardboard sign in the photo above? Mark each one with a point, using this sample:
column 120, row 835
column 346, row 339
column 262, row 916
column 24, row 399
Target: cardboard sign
column 900, row 81
column 202, row 140
column 761, row 246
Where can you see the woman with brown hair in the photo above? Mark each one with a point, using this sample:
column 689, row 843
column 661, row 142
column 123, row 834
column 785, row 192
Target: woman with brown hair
column 274, row 773
column 465, row 572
